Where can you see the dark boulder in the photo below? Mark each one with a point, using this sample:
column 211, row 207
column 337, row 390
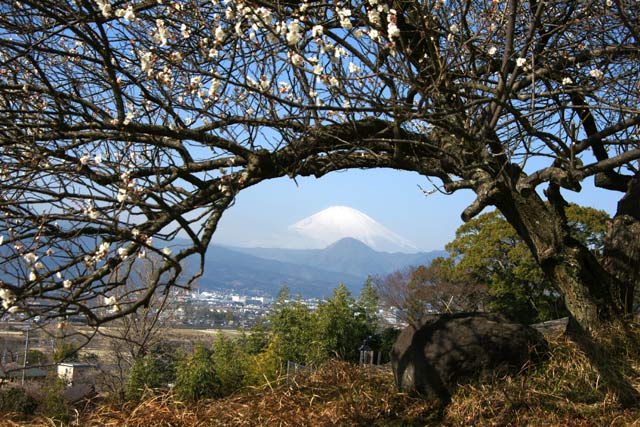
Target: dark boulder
column 432, row 358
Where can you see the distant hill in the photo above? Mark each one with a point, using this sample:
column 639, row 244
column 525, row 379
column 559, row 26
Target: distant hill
column 230, row 269
column 310, row 273
column 347, row 255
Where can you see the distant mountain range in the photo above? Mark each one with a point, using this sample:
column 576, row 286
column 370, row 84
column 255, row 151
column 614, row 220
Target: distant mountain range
column 308, row 272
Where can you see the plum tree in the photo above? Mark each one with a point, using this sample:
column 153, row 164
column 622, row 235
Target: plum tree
column 126, row 122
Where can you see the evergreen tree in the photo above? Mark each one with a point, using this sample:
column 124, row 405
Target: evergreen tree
column 196, row 376
column 340, row 328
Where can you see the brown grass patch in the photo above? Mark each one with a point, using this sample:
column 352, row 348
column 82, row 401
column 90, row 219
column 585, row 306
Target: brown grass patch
column 565, row 390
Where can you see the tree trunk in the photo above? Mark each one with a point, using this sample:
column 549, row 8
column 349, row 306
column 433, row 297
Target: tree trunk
column 590, row 293
column 622, row 246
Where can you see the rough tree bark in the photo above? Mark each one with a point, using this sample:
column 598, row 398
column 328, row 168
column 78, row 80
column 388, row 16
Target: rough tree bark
column 622, row 246
column 592, row 294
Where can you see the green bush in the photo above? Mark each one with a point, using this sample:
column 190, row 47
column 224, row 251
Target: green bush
column 16, row 400
column 148, row 372
column 196, row 377
column 230, row 363
column 53, row 404
column 340, row 327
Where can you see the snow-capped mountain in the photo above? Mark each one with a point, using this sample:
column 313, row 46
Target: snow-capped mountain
column 339, row 222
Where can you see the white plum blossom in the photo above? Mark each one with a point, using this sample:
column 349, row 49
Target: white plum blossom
column 333, row 81
column 353, row 68
column 7, row 297
column 166, row 250
column 186, row 33
column 84, row 159
column 66, row 284
column 39, row 265
column 30, row 257
column 392, row 30
column 567, row 81
column 122, row 253
column 146, row 63
column 113, row 302
column 162, row 32
column 13, row 309
column 453, row 28
column 219, row 34
column 293, row 34
column 196, row 82
column 105, row 7
column 265, row 83
column 296, row 59
column 374, row 17
column 344, row 15
column 213, row 87
column 596, row 74
column 520, row 62
column 129, row 14
column 317, row 30
column 97, row 159
column 492, row 50
column 102, row 251
column 32, row 276
column 122, row 195
column 317, row 69
column 284, row 87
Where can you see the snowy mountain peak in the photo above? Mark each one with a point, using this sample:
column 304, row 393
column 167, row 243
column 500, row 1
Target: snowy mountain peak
column 338, row 222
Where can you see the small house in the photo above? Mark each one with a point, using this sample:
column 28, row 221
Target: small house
column 74, row 373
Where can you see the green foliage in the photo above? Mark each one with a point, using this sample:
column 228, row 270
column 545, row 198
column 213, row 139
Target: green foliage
column 16, row 400
column 384, row 342
column 36, row 358
column 65, row 352
column 341, row 326
column 488, row 250
column 196, row 376
column 148, row 372
column 256, row 340
column 336, row 329
column 230, row 364
column 53, row 404
column 292, row 323
column 369, row 301
column 267, row 366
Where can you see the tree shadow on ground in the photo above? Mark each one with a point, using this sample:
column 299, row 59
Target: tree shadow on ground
column 608, row 353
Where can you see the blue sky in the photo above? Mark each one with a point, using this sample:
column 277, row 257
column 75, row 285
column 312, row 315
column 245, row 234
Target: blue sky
column 262, row 213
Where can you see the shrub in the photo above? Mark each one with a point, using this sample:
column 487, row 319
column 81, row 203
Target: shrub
column 196, row 376
column 230, row 363
column 53, row 404
column 16, row 400
column 148, row 372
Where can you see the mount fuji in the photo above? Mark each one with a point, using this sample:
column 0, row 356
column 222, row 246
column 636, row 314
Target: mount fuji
column 347, row 246
column 338, row 222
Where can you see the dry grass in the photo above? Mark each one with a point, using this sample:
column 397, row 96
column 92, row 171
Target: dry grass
column 565, row 390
